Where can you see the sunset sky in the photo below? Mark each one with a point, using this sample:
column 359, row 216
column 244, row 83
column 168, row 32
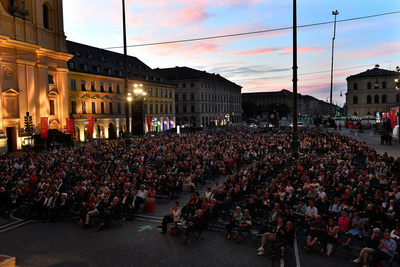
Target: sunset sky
column 257, row 62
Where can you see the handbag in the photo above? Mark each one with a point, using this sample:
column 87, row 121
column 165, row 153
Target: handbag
column 174, row 231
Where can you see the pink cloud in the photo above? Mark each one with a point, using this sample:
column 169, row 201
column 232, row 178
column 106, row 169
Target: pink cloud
column 253, row 52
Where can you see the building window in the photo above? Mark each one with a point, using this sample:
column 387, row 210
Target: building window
column 150, row 92
column 383, row 99
column 192, row 108
column 376, row 99
column 102, row 108
column 83, row 85
column 118, row 89
column 156, row 108
column 119, row 108
column 165, row 93
column 72, row 84
column 109, row 71
column 355, row 86
column 71, row 65
column 84, row 107
column 161, row 108
column 192, row 97
column 120, row 73
column 170, row 108
column 73, row 107
column 369, row 99
column 50, row 78
column 202, row 97
column 170, row 93
column 52, row 107
column 355, row 99
column 46, row 17
column 160, row 92
column 176, row 97
column 85, row 67
column 184, row 109
column 368, row 85
column 183, row 85
column 102, row 87
column 110, row 88
column 151, row 108
column 93, row 108
column 184, row 97
column 111, row 108
column 93, row 86
column 383, row 85
column 98, row 69
column 155, row 92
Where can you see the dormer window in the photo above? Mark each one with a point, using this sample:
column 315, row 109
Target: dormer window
column 90, row 56
column 129, row 65
column 71, row 65
column 120, row 63
column 103, row 59
column 120, row 73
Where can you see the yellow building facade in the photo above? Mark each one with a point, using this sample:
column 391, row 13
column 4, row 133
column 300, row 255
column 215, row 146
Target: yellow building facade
column 33, row 65
column 96, row 89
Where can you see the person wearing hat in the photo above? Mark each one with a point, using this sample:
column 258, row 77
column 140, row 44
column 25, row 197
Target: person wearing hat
column 235, row 221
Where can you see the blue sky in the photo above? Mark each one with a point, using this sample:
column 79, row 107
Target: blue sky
column 259, row 62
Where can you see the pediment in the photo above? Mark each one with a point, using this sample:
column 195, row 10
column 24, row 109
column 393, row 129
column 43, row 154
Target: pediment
column 11, row 91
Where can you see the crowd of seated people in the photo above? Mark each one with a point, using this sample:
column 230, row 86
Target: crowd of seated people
column 335, row 176
column 78, row 179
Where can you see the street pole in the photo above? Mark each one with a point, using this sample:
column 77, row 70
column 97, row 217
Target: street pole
column 128, row 139
column 335, row 13
column 397, row 81
column 295, row 136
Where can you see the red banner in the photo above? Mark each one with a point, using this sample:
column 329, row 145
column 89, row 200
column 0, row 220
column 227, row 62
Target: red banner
column 44, row 127
column 91, row 124
column 149, row 120
column 70, row 126
column 393, row 118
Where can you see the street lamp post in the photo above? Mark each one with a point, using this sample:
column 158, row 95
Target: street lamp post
column 128, row 139
column 335, row 13
column 295, row 135
column 138, row 110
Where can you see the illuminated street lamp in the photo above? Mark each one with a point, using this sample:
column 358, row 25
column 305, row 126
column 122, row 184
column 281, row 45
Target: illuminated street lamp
column 138, row 110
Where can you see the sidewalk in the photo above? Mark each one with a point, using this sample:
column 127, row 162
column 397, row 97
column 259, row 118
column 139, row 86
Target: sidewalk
column 372, row 140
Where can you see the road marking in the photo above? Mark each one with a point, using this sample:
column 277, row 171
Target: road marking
column 15, row 226
column 150, row 217
column 147, row 220
column 7, row 225
column 144, row 228
column 296, row 252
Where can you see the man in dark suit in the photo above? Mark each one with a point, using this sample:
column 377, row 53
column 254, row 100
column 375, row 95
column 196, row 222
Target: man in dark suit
column 112, row 213
column 196, row 225
column 98, row 211
column 126, row 201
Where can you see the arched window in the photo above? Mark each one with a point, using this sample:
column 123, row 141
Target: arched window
column 46, row 16
column 355, row 99
column 369, row 99
column 376, row 99
column 383, row 99
column 355, row 86
column 369, row 85
column 383, row 85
